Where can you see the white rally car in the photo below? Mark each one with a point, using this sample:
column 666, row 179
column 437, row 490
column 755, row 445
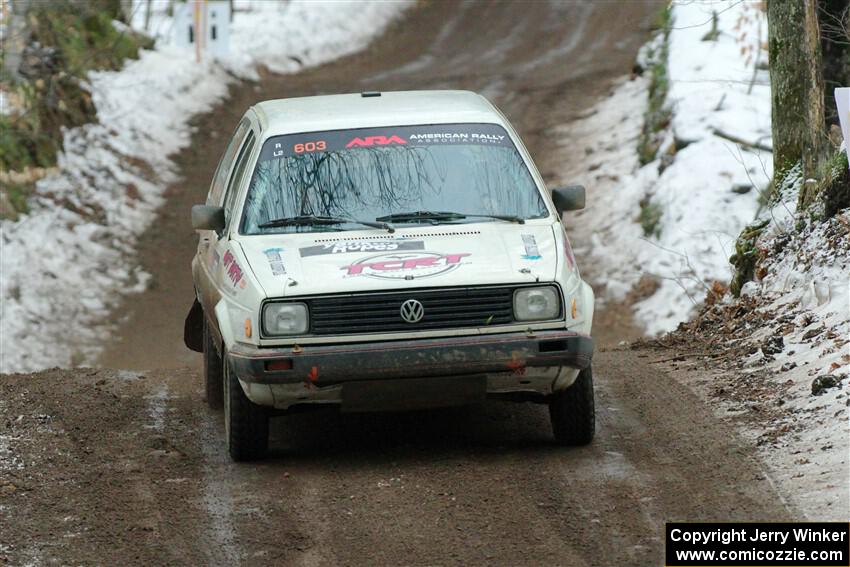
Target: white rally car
column 386, row 251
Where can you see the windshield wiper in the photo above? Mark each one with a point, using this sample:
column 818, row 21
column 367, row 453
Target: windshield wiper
column 436, row 216
column 313, row 220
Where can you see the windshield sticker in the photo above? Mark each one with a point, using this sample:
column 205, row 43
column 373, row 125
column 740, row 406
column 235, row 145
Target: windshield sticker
column 345, row 246
column 531, row 250
column 374, row 141
column 405, row 266
column 301, row 145
column 275, row 261
column 456, row 137
column 234, row 272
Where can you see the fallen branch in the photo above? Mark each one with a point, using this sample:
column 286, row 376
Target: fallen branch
column 740, row 141
column 681, row 356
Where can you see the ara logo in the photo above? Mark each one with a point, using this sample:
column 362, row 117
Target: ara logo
column 405, row 266
column 375, row 141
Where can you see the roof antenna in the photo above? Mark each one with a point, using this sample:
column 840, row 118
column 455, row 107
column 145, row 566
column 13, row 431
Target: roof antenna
column 370, row 94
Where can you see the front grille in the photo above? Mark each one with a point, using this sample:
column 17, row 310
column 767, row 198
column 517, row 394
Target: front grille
column 447, row 308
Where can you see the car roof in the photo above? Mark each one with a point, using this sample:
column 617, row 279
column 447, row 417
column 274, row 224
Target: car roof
column 365, row 110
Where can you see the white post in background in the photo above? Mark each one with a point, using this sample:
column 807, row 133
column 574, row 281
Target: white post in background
column 217, row 35
column 203, row 25
column 842, row 101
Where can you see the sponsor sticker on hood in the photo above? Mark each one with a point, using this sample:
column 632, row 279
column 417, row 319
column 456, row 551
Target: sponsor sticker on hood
column 362, row 246
column 275, row 261
column 532, row 252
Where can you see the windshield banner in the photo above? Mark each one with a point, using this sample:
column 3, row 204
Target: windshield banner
column 365, row 138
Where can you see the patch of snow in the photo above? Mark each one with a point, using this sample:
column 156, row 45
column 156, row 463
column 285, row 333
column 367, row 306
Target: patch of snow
column 157, row 408
column 8, row 459
column 705, row 193
column 129, row 375
column 715, row 85
column 66, row 263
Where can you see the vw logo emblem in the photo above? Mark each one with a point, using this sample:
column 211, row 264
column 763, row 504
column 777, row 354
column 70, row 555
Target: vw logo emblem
column 412, row 311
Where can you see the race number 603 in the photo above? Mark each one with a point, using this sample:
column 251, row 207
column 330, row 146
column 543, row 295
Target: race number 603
column 310, row 147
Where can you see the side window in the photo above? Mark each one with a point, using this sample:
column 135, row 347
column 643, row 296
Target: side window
column 236, row 178
column 225, row 165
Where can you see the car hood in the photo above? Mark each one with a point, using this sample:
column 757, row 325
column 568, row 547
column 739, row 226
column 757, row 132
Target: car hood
column 469, row 254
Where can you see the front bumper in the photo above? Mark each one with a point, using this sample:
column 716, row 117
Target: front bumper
column 327, row 365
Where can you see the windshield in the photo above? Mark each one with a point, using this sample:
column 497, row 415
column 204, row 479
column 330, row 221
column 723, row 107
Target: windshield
column 364, row 174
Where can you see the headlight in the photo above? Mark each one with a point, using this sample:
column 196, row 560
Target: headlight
column 285, row 319
column 536, row 303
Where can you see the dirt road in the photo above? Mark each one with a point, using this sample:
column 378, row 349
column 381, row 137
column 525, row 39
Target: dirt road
column 118, row 467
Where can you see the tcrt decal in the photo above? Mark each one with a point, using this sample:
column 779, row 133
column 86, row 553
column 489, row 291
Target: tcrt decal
column 405, row 266
column 375, row 141
column 234, row 272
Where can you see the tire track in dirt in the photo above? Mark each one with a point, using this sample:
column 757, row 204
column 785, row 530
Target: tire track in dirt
column 217, row 497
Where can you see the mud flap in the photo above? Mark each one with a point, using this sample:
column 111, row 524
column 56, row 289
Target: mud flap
column 193, row 328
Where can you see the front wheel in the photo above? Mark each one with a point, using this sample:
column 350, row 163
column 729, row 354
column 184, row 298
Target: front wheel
column 246, row 425
column 572, row 411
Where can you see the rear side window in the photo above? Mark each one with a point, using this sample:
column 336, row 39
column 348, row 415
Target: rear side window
column 238, row 175
column 226, row 164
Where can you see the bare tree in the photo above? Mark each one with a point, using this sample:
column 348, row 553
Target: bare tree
column 796, row 85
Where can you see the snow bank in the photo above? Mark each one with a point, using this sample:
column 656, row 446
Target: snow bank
column 804, row 287
column 779, row 360
column 65, row 264
column 705, row 191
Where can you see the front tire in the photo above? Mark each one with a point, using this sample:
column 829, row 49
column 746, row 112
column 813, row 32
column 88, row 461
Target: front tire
column 572, row 411
column 246, row 425
column 213, row 371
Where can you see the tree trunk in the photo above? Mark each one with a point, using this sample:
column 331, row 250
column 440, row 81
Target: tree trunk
column 797, row 90
column 817, row 138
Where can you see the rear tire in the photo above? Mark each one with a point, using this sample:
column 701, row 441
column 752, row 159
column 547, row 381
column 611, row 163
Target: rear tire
column 246, row 425
column 572, row 411
column 213, row 371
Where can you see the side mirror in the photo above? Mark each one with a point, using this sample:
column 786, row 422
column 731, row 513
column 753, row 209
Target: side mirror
column 570, row 198
column 208, row 217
